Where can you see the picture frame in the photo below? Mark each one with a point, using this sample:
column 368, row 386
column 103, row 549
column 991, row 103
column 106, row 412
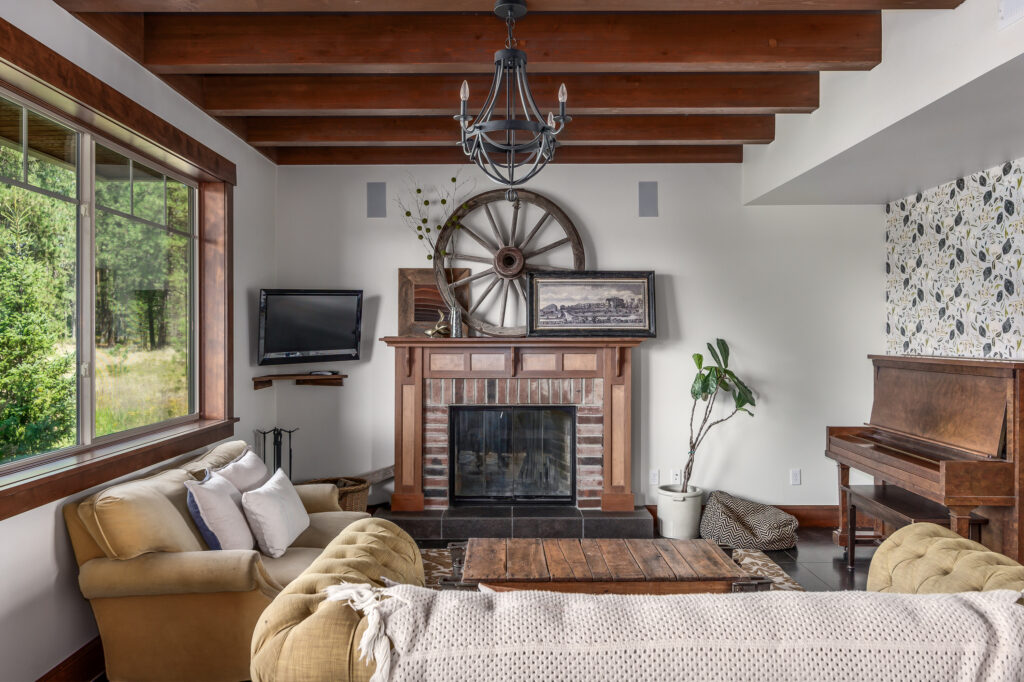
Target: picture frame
column 419, row 300
column 591, row 303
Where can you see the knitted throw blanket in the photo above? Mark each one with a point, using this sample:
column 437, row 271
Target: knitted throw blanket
column 421, row 635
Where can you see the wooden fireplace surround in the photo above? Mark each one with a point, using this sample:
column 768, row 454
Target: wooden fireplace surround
column 420, row 358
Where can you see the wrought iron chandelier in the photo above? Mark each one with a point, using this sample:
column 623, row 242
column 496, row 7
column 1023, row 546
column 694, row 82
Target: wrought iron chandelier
column 513, row 149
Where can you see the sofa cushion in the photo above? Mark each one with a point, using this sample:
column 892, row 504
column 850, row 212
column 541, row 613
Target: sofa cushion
column 215, row 458
column 275, row 514
column 291, row 564
column 216, row 508
column 143, row 515
column 925, row 558
column 246, row 473
column 325, row 526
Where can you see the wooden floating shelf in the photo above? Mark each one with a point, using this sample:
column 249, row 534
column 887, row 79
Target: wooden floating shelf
column 300, row 379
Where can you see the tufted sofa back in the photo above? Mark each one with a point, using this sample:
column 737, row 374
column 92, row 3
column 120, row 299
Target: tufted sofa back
column 925, row 558
column 301, row 637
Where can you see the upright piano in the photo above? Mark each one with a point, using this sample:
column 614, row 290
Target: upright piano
column 948, row 430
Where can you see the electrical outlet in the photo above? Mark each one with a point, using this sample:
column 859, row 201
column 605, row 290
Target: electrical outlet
column 794, row 477
column 677, row 476
column 654, row 477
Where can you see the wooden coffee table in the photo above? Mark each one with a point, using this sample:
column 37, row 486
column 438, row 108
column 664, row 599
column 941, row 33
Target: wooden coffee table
column 641, row 566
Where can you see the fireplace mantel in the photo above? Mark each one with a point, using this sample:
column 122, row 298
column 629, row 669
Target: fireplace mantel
column 517, row 371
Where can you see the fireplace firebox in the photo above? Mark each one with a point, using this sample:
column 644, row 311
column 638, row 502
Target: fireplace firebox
column 506, row 454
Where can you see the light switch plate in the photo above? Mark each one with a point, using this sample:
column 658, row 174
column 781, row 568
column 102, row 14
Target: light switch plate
column 654, row 477
column 794, row 477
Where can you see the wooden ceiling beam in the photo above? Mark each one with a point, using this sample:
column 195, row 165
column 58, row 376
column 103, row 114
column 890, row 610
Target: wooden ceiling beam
column 555, row 43
column 535, row 6
column 360, row 131
column 404, row 156
column 432, row 95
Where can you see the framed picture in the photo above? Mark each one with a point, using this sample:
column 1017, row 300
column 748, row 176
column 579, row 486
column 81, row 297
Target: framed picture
column 590, row 303
column 419, row 301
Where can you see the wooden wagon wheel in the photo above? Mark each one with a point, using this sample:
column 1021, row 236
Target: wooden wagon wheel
column 475, row 233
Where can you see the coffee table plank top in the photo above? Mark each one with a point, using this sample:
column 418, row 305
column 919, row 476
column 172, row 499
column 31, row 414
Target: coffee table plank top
column 650, row 561
column 558, row 567
column 595, row 560
column 675, row 560
column 488, row 558
column 574, row 554
column 600, row 563
column 620, row 562
column 526, row 559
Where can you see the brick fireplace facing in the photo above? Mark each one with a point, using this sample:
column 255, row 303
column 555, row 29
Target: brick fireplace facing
column 592, row 374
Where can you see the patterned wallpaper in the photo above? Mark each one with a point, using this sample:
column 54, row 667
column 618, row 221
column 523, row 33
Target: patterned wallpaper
column 953, row 268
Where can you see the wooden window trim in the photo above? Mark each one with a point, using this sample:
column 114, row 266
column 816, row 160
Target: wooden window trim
column 52, row 83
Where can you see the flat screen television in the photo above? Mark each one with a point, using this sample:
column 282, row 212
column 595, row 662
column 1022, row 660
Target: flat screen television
column 309, row 325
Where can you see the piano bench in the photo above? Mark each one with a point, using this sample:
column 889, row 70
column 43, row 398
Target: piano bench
column 897, row 507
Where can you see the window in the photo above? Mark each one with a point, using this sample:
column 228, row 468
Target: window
column 97, row 253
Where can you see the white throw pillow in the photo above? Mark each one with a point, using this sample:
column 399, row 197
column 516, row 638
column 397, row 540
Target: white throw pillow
column 276, row 515
column 246, row 473
column 216, row 507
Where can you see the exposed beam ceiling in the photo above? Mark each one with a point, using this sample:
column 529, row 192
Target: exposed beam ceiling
column 363, row 131
column 376, row 81
column 556, row 43
column 432, row 95
column 536, row 6
column 592, row 154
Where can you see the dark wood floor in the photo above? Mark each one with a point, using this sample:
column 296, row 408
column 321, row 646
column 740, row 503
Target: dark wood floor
column 819, row 566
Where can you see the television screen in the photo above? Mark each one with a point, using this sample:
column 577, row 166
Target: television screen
column 309, row 325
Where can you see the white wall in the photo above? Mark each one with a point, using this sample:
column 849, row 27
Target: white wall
column 797, row 291
column 44, row 616
column 925, row 56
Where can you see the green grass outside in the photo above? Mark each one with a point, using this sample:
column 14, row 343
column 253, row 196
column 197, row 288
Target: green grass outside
column 138, row 387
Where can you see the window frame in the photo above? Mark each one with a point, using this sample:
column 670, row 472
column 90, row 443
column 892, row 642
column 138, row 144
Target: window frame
column 57, row 87
column 86, row 212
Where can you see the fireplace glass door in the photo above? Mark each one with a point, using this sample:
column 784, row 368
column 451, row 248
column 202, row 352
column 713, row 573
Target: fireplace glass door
column 512, row 454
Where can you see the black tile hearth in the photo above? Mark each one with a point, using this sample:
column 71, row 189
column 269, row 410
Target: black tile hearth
column 521, row 521
column 635, row 524
column 421, row 525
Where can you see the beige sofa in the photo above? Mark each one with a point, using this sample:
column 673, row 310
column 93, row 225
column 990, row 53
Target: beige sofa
column 303, row 638
column 167, row 607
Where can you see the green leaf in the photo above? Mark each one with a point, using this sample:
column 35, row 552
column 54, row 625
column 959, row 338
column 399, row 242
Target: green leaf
column 697, row 389
column 723, row 348
column 698, row 360
column 714, row 354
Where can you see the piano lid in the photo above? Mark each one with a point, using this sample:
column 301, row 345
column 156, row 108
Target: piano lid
column 961, row 409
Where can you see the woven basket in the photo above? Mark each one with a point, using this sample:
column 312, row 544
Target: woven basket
column 352, row 491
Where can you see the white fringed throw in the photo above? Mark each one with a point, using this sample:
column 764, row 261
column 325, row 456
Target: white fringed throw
column 420, row 635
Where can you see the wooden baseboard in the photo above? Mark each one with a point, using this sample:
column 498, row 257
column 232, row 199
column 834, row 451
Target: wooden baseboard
column 86, row 664
column 809, row 515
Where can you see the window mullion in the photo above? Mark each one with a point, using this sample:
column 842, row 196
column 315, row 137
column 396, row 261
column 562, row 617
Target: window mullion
column 87, row 298
column 24, row 145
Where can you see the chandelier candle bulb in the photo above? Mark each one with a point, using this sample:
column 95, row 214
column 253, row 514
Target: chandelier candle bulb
column 551, row 120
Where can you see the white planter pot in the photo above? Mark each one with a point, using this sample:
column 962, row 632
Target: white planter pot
column 679, row 512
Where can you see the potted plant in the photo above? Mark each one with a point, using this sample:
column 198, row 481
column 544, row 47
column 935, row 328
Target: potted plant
column 679, row 505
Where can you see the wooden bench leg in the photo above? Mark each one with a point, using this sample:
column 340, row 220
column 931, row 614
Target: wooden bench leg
column 960, row 520
column 851, row 534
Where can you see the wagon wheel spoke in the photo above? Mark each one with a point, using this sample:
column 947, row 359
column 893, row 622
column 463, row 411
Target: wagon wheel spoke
column 477, row 238
column 494, row 226
column 490, row 287
column 519, row 287
column 545, row 249
column 535, row 230
column 475, row 259
column 471, row 278
column 504, row 301
column 515, row 223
